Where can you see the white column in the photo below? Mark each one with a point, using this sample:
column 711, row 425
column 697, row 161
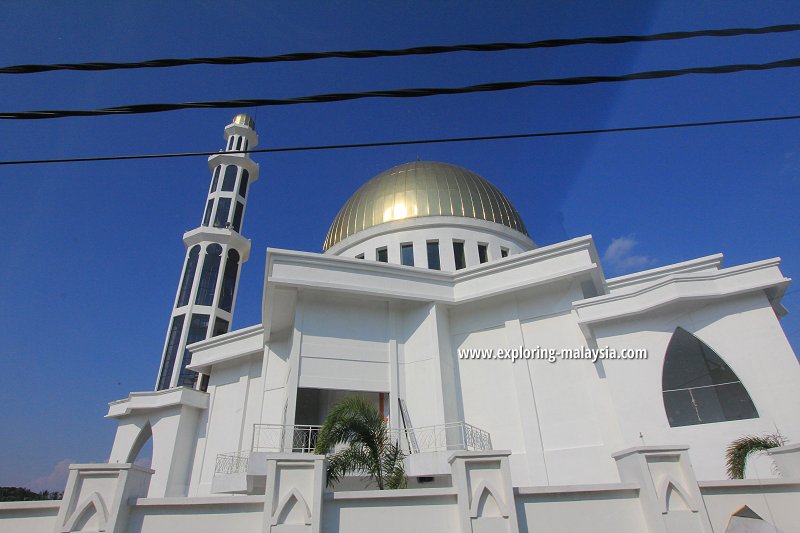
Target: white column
column 485, row 495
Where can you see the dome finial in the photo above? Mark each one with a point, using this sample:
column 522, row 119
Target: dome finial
column 243, row 119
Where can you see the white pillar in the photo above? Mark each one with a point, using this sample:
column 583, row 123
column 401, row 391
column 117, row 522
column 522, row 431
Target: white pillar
column 485, row 495
column 293, row 496
column 669, row 495
column 96, row 497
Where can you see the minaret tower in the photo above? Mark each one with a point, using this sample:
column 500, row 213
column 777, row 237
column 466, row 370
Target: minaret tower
column 215, row 252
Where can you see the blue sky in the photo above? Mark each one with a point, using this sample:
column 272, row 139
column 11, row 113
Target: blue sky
column 93, row 251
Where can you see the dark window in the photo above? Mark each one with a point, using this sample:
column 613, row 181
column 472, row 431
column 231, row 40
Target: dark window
column 223, row 208
column 198, row 329
column 171, row 351
column 407, row 254
column 237, row 217
column 188, row 276
column 433, row 255
column 203, row 382
column 239, row 144
column 243, row 184
column 483, row 253
column 208, row 277
column 216, row 178
column 503, row 252
column 230, row 177
column 207, row 215
column 360, row 256
column 220, row 327
column 458, row 252
column 698, row 387
column 230, row 143
column 382, row 255
column 229, row 281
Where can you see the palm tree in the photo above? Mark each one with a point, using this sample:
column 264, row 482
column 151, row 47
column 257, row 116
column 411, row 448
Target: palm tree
column 739, row 450
column 369, row 449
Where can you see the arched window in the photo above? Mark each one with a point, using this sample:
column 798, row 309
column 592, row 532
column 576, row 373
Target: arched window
column 239, row 143
column 229, row 281
column 208, row 278
column 230, row 177
column 188, row 276
column 170, row 352
column 698, row 387
column 216, row 179
column 198, row 329
column 237, row 217
column 207, row 214
column 223, row 210
column 243, row 183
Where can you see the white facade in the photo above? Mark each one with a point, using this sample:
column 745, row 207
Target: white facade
column 493, row 444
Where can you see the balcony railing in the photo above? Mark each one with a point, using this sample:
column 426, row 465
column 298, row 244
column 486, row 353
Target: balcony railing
column 280, row 438
column 303, row 439
column 232, row 463
column 445, row 437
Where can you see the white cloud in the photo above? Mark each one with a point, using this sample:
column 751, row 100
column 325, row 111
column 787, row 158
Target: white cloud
column 619, row 256
column 55, row 480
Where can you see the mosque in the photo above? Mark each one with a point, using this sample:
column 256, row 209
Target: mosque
column 528, row 391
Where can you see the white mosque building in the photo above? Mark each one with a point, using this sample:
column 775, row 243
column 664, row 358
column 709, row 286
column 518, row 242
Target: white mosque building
column 529, row 392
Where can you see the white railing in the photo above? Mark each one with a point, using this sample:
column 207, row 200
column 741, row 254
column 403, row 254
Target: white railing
column 303, row 439
column 280, row 438
column 232, row 463
column 445, row 437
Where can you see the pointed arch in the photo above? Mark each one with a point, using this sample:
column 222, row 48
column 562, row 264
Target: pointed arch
column 291, row 501
column 745, row 519
column 698, row 387
column 670, row 491
column 145, row 434
column 486, row 494
column 92, row 506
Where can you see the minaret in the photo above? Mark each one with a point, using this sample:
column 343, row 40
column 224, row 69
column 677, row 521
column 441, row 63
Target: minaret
column 215, row 252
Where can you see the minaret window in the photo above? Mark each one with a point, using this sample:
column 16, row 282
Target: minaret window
column 433, row 255
column 223, row 208
column 208, row 277
column 188, row 276
column 198, row 328
column 230, row 177
column 698, row 387
column 216, row 178
column 229, row 281
column 171, row 350
column 243, row 184
column 407, row 254
column 237, row 217
column 220, row 327
column 483, row 253
column 239, row 143
column 207, row 214
column 458, row 253
column 230, row 142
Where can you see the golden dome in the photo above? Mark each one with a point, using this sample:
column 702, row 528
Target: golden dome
column 422, row 189
column 243, row 119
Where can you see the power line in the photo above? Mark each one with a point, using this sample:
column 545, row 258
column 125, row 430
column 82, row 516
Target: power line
column 418, row 50
column 411, row 142
column 397, row 93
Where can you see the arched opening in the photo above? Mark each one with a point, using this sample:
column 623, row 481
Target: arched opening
column 698, row 387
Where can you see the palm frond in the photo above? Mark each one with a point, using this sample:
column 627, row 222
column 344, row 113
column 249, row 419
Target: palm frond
column 357, row 424
column 739, row 450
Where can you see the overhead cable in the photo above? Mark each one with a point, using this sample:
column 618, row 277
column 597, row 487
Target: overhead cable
column 418, row 50
column 410, row 142
column 396, row 93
